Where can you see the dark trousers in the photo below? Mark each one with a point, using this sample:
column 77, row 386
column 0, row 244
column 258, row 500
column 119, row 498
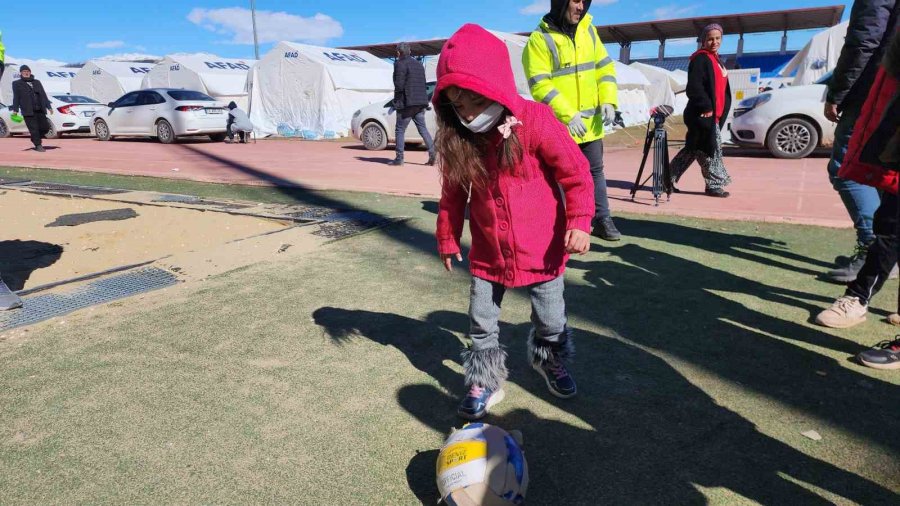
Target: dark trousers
column 416, row 115
column 242, row 134
column 593, row 151
column 882, row 255
column 38, row 126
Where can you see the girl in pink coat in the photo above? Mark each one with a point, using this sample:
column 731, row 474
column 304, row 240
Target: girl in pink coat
column 531, row 199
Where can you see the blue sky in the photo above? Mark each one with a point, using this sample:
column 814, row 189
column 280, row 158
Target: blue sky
column 76, row 31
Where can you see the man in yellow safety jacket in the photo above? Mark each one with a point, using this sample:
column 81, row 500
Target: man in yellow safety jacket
column 569, row 69
column 2, row 54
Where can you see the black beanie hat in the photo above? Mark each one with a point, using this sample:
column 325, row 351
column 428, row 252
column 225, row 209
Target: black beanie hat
column 23, row 68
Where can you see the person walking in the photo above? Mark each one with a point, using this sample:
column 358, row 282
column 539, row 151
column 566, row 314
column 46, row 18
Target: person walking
column 505, row 159
column 569, row 69
column 30, row 97
column 239, row 122
column 410, row 101
column 872, row 22
column 709, row 101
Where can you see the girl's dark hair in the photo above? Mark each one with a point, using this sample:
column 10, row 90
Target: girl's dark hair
column 462, row 151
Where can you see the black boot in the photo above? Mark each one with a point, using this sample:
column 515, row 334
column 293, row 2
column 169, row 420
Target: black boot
column 717, row 192
column 396, row 162
column 432, row 159
column 605, row 229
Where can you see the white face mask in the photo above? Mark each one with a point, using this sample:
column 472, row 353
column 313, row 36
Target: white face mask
column 484, row 121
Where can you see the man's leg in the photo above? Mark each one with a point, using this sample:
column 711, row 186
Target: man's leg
column 34, row 129
column 860, row 200
column 229, row 131
column 426, row 136
column 400, row 136
column 43, row 123
column 603, row 223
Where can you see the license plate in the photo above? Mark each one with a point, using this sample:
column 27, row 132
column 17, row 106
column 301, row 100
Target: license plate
column 214, row 111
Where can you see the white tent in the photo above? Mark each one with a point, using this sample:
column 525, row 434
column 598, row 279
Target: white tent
column 315, row 90
column 221, row 78
column 819, row 57
column 106, row 81
column 666, row 87
column 633, row 89
column 515, row 45
column 56, row 80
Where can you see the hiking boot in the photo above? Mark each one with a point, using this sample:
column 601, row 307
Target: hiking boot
column 559, row 381
column 846, row 312
column 848, row 272
column 717, row 192
column 478, row 401
column 432, row 160
column 884, row 355
column 605, row 229
column 39, row 149
column 396, row 162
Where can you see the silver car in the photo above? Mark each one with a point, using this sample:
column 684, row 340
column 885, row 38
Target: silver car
column 375, row 125
column 71, row 114
column 163, row 113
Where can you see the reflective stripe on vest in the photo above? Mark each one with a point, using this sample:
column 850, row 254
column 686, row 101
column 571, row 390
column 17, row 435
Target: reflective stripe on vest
column 538, row 78
column 572, row 70
column 551, row 45
column 604, row 62
column 550, row 96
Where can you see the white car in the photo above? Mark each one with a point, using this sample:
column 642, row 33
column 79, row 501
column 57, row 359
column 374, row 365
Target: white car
column 375, row 125
column 789, row 122
column 71, row 114
column 164, row 113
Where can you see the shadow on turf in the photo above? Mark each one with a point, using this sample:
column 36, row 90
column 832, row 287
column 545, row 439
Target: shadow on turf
column 19, row 259
column 653, row 433
column 649, row 434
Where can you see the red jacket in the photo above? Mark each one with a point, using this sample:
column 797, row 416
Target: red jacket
column 853, row 168
column 518, row 222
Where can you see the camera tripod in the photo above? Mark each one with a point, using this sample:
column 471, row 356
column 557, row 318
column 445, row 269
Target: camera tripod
column 658, row 140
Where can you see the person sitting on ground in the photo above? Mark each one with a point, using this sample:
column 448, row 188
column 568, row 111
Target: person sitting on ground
column 709, row 101
column 506, row 158
column 239, row 122
column 30, row 97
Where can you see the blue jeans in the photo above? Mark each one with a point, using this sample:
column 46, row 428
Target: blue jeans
column 860, row 200
column 403, row 119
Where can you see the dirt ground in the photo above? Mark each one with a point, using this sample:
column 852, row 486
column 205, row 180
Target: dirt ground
column 156, row 232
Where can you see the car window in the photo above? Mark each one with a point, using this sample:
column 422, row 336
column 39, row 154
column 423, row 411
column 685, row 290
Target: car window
column 150, row 98
column 75, row 99
column 128, row 100
column 181, row 95
column 430, row 88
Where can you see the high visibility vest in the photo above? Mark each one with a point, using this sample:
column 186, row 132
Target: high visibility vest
column 2, row 49
column 572, row 75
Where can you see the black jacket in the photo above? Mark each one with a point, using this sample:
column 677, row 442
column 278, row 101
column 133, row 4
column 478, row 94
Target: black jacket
column 409, row 84
column 701, row 92
column 872, row 22
column 24, row 98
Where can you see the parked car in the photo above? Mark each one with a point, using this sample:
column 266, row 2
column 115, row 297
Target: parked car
column 789, row 122
column 71, row 114
column 375, row 125
column 163, row 113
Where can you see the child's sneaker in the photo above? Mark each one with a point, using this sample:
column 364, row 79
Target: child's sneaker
column 478, row 401
column 559, row 381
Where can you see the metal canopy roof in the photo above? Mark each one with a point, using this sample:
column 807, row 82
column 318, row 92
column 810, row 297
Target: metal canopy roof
column 758, row 22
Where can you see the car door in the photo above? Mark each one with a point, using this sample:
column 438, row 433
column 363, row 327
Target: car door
column 121, row 116
column 147, row 111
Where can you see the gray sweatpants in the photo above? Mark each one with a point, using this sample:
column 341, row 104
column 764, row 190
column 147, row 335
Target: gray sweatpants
column 485, row 361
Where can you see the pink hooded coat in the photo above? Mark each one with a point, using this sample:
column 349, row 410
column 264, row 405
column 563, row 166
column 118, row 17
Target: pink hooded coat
column 519, row 221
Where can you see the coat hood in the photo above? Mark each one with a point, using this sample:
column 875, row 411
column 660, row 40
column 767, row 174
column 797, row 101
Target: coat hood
column 556, row 18
column 476, row 60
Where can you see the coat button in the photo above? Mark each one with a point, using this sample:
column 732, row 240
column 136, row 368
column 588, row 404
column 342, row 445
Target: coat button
column 510, row 275
column 504, row 226
column 499, row 202
column 507, row 253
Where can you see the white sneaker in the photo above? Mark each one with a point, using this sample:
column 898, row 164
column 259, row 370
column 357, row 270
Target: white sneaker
column 846, row 312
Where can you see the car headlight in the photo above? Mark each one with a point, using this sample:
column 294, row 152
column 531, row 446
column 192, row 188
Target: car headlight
column 754, row 102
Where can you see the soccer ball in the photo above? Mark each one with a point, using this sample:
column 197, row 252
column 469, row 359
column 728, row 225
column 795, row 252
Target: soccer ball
column 482, row 465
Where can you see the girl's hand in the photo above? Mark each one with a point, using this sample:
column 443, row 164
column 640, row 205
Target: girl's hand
column 448, row 260
column 707, row 114
column 577, row 241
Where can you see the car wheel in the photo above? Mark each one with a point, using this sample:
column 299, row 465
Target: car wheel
column 793, row 138
column 374, row 137
column 164, row 132
column 53, row 134
column 4, row 130
column 102, row 130
column 217, row 137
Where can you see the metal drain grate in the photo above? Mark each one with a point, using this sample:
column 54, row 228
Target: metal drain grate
column 310, row 212
column 346, row 224
column 13, row 181
column 197, row 201
column 45, row 307
column 68, row 189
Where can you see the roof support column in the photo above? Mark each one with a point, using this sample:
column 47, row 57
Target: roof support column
column 662, row 50
column 784, row 43
column 625, row 53
column 740, row 48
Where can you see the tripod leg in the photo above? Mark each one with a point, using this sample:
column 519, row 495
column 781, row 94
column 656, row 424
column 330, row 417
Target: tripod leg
column 637, row 181
column 668, row 184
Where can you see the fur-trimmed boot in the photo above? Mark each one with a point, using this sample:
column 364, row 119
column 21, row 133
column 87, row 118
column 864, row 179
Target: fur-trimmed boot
column 485, row 373
column 549, row 360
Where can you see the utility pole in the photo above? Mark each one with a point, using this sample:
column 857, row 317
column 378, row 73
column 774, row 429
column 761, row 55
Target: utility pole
column 255, row 37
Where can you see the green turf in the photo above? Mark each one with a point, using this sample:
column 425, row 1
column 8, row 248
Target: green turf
column 333, row 380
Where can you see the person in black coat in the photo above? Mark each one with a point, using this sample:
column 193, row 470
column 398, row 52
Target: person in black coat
column 29, row 97
column 410, row 101
column 872, row 22
column 709, row 101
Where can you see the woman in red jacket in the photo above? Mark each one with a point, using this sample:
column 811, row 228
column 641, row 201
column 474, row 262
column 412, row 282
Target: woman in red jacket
column 507, row 157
